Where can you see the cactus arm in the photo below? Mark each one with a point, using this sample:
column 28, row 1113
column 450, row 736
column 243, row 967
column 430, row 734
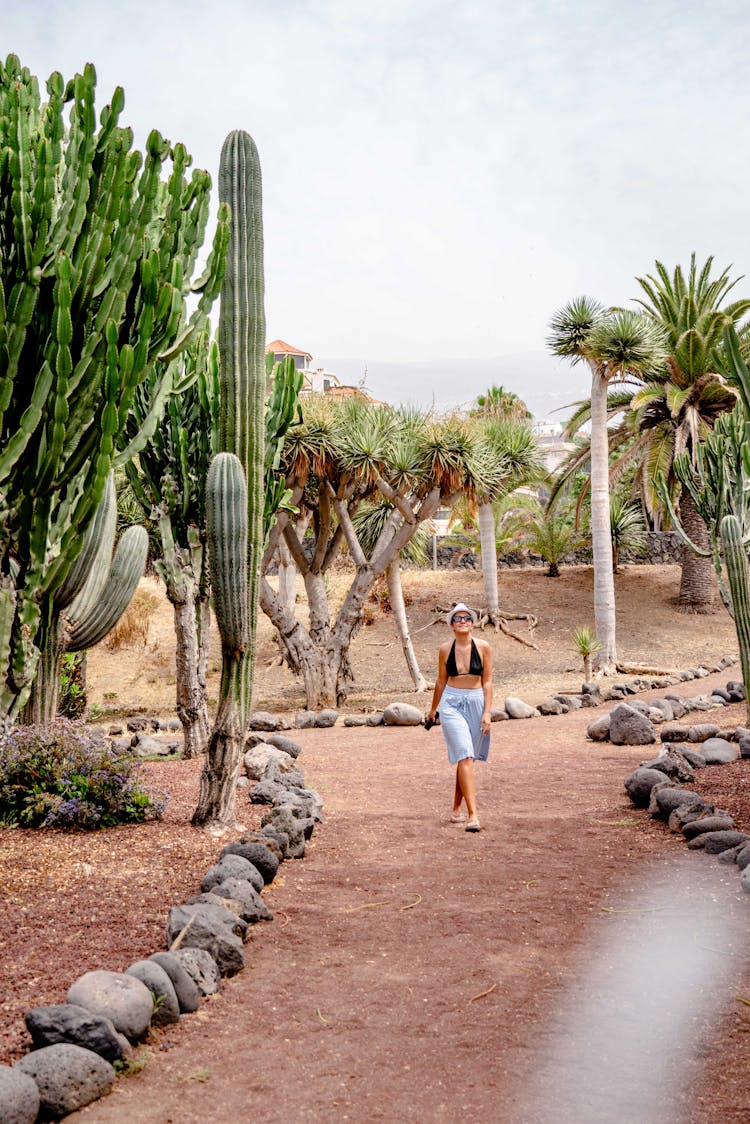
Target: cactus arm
column 95, row 555
column 736, row 562
column 128, row 564
column 29, row 422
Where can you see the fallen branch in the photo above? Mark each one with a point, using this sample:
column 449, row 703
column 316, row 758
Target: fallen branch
column 412, row 904
column 483, row 993
column 642, row 669
column 514, row 635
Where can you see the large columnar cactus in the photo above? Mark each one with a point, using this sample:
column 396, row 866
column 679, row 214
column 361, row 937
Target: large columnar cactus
column 97, row 256
column 241, row 432
column 226, row 510
column 736, row 561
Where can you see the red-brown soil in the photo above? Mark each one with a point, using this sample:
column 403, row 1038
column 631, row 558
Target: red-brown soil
column 413, row 971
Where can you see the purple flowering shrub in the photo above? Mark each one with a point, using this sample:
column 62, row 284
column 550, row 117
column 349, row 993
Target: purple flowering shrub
column 63, row 776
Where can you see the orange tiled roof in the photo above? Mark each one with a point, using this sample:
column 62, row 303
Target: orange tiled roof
column 279, row 347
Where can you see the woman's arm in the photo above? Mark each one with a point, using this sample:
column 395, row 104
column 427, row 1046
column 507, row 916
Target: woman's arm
column 486, row 686
column 442, row 679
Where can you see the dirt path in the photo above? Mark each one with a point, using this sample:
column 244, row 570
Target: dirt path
column 413, row 970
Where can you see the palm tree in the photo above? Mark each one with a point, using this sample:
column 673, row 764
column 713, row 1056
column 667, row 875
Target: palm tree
column 498, row 402
column 675, row 410
column 617, row 346
column 552, row 537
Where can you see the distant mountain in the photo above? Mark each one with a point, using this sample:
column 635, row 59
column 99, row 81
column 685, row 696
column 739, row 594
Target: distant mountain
column 548, row 386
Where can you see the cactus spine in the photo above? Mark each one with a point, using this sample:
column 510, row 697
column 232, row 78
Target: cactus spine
column 242, row 433
column 736, row 563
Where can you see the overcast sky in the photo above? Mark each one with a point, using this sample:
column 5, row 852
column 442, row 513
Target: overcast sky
column 439, row 176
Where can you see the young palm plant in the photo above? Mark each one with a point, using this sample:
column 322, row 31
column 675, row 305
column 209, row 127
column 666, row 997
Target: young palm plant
column 586, row 645
column 552, row 536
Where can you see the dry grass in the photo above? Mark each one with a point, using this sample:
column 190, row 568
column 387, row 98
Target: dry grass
column 132, row 629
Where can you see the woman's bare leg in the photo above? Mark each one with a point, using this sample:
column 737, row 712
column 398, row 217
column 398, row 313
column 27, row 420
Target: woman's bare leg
column 458, row 797
column 465, row 781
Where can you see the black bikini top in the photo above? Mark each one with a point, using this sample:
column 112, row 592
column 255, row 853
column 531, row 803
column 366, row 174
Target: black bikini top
column 476, row 667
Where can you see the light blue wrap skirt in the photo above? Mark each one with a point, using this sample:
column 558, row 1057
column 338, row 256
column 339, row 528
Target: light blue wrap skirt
column 461, row 710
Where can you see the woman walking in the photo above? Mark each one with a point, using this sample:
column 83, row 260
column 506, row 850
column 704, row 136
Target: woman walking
column 464, row 693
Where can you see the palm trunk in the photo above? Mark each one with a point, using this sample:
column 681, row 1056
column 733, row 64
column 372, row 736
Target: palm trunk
column 486, row 519
column 396, row 594
column 697, row 580
column 605, row 660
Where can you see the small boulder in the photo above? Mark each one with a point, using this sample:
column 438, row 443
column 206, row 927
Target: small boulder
column 665, row 798
column 598, row 730
column 517, row 708
column 573, row 702
column 305, row 720
column 324, row 719
column 402, row 714
column 694, row 759
column 188, row 998
column 67, row 1022
column 498, row 715
column 716, row 822
column 355, row 720
column 285, row 744
column 259, row 759
column 253, row 907
column 736, row 691
column 703, row 731
column 19, row 1096
column 745, row 879
column 639, row 784
column 232, row 866
column 67, row 1077
column 628, row 727
column 672, row 732
column 267, row 841
column 258, row 854
column 718, row 751
column 166, row 1007
column 123, row 999
column 714, row 842
column 212, row 929
column 672, row 764
column 262, row 720
column 551, row 706
column 375, row 719
column 743, row 856
column 202, row 969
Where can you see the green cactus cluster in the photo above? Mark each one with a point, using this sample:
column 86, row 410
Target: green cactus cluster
column 735, row 556
column 98, row 248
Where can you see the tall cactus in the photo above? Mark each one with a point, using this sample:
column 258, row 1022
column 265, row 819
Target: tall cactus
column 736, row 562
column 241, row 432
column 226, row 510
column 97, row 257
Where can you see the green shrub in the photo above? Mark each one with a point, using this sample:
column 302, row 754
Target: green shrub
column 62, row 776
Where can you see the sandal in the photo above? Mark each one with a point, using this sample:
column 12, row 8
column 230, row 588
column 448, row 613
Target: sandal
column 457, row 817
column 473, row 825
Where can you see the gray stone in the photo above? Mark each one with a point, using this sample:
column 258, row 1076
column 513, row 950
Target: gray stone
column 253, row 907
column 213, row 899
column 517, row 708
column 665, row 798
column 703, row 731
column 402, row 714
column 173, row 725
column 639, row 784
column 498, row 715
column 719, row 692
column 324, row 719
column 551, row 706
column 263, row 837
column 19, row 1096
column 701, row 702
column 232, row 866
column 612, row 694
column 628, row 727
column 598, row 730
column 123, row 999
column 258, row 854
column 592, row 688
column 573, row 702
column 136, row 723
column 375, row 719
column 262, row 720
column 717, row 700
column 680, row 816
column 694, row 759
column 591, row 700
column 187, row 994
column 201, row 968
column 279, row 838
column 304, row 802
column 266, row 792
column 672, row 732
column 67, row 1077
column 143, row 745
column 714, row 842
column 204, row 927
column 67, row 1022
column 744, row 747
column 116, row 730
column 743, row 856
column 285, row 823
column 355, row 720
column 672, row 764
column 678, row 710
column 736, row 691
column 745, row 879
column 285, row 744
column 166, row 1007
column 253, row 738
column 716, row 822
column 729, row 857
column 260, row 758
column 305, row 720
column 641, row 706
column 718, row 751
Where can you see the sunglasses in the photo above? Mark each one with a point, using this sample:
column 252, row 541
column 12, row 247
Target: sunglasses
column 461, row 619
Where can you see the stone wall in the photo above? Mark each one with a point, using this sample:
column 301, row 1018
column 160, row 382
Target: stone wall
column 662, row 548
